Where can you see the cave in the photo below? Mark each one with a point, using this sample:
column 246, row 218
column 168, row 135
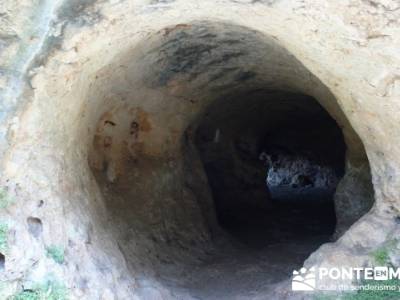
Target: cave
column 273, row 161
column 204, row 161
column 184, row 163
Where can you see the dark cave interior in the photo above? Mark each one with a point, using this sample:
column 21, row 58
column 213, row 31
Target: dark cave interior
column 273, row 160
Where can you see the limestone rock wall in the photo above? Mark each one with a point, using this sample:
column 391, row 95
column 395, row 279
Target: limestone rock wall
column 67, row 66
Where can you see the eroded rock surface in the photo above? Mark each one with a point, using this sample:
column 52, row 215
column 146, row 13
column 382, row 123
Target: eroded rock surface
column 104, row 194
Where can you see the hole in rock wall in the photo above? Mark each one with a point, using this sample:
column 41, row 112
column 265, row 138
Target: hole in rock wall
column 273, row 160
column 35, row 226
column 220, row 160
column 2, row 261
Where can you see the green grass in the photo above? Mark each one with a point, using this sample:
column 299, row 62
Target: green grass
column 375, row 294
column 5, row 199
column 381, row 256
column 51, row 290
column 56, row 253
column 27, row 295
column 3, row 237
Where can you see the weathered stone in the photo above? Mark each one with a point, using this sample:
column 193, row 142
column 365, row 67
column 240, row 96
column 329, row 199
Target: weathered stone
column 100, row 101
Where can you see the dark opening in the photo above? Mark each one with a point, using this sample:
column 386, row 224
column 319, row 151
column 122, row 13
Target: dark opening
column 273, row 160
column 2, row 261
column 35, row 226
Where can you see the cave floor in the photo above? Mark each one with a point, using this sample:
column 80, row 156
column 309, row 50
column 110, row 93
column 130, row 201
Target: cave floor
column 259, row 249
column 268, row 245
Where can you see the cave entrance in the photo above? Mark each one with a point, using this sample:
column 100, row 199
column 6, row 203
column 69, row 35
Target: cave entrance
column 273, row 161
column 212, row 125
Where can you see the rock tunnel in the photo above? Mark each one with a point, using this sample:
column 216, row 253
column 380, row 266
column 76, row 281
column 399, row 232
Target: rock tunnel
column 269, row 152
column 177, row 138
column 195, row 158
